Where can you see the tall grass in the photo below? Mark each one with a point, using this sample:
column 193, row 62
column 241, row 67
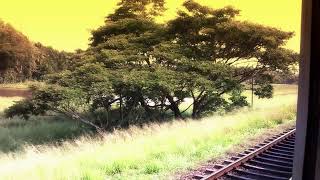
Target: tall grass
column 16, row 133
column 153, row 152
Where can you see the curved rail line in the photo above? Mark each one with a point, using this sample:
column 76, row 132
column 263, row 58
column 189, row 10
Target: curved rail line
column 270, row 160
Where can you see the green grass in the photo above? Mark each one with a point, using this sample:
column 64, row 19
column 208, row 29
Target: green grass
column 153, row 152
column 15, row 133
column 283, row 94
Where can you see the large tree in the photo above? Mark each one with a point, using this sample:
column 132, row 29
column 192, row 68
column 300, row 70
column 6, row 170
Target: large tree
column 221, row 53
column 203, row 54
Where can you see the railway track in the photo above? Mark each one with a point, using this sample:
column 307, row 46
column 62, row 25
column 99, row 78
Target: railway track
column 270, row 160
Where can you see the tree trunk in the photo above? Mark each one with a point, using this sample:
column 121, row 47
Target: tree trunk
column 198, row 105
column 174, row 107
column 195, row 106
column 145, row 106
column 194, row 110
column 121, row 111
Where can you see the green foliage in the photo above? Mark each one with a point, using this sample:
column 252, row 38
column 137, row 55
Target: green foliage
column 285, row 77
column 264, row 91
column 15, row 54
column 50, row 61
column 157, row 151
column 15, row 134
column 137, row 9
column 23, row 108
column 264, row 88
column 22, row 60
column 237, row 100
column 144, row 70
column 49, row 98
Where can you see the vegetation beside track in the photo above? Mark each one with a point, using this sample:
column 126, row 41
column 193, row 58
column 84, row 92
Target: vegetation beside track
column 155, row 151
column 163, row 96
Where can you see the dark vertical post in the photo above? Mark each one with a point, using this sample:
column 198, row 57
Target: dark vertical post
column 121, row 111
column 252, row 91
column 307, row 154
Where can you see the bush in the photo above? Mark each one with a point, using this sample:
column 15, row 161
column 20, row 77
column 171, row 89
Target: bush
column 22, row 108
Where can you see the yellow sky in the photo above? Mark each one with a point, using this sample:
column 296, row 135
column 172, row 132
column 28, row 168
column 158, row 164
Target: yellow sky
column 66, row 24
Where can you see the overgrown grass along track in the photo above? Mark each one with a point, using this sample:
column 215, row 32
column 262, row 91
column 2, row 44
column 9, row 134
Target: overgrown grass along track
column 270, row 160
column 153, row 152
column 157, row 151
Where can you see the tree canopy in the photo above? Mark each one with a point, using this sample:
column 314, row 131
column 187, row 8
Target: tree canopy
column 132, row 9
column 140, row 69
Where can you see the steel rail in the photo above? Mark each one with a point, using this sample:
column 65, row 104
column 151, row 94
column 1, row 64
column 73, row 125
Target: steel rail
column 242, row 160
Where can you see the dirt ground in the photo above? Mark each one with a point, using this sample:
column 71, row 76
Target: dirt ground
column 9, row 92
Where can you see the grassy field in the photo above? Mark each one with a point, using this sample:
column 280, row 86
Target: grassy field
column 156, row 151
column 16, row 133
column 283, row 95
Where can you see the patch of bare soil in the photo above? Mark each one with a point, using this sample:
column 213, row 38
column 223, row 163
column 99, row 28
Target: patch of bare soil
column 9, row 92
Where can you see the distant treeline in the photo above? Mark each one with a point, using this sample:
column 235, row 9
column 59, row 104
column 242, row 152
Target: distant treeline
column 291, row 77
column 22, row 60
column 137, row 69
